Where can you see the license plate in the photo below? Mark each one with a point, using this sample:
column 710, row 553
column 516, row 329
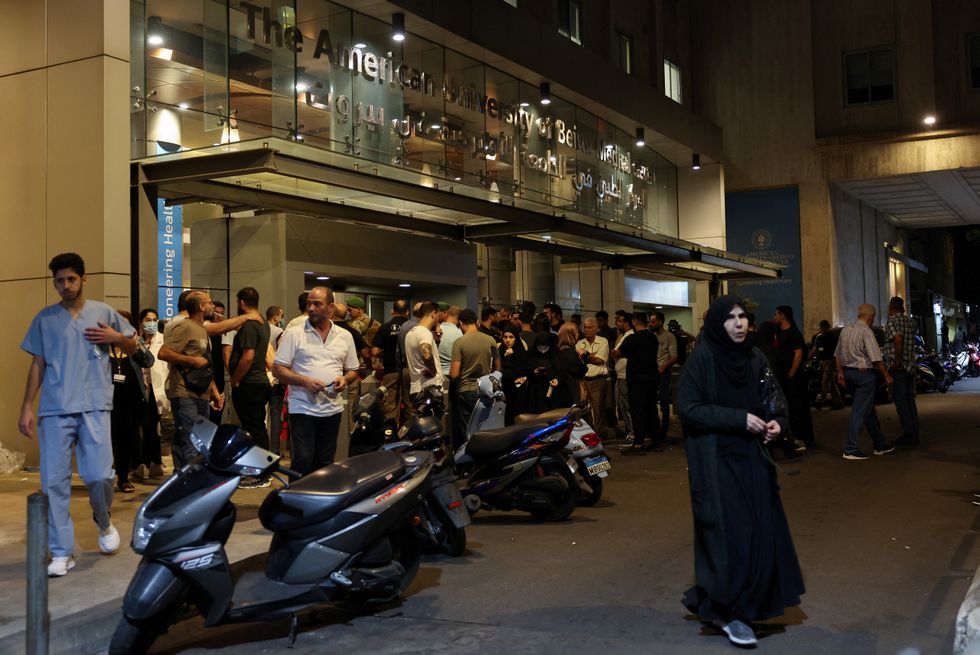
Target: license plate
column 595, row 465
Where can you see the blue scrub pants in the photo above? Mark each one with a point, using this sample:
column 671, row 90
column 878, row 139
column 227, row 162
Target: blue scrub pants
column 89, row 433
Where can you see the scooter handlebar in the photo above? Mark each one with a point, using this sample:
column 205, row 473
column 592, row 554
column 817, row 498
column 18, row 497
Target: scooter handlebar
column 289, row 473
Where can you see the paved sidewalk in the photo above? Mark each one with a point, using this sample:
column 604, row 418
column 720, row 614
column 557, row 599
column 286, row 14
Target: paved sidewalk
column 84, row 605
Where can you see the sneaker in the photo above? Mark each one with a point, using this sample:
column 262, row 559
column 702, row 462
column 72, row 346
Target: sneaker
column 799, row 446
column 884, row 450
column 628, row 442
column 739, row 633
column 139, row 473
column 109, row 540
column 60, row 566
column 157, row 471
column 857, row 454
column 249, row 482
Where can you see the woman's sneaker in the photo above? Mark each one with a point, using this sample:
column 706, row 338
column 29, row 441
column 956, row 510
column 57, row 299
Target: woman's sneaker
column 60, row 566
column 739, row 633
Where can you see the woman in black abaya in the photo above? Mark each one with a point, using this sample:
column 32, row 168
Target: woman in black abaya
column 745, row 563
column 515, row 367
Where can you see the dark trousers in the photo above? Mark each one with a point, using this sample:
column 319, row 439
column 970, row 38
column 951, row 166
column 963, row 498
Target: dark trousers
column 276, row 398
column 250, row 400
column 149, row 427
column 862, row 385
column 643, row 409
column 313, row 440
column 903, row 395
column 798, row 402
column 463, row 405
column 186, row 411
column 125, row 431
column 663, row 399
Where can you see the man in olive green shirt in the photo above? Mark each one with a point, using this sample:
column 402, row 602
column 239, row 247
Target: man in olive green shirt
column 474, row 355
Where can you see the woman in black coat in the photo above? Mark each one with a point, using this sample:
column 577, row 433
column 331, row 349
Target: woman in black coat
column 515, row 366
column 745, row 563
column 545, row 370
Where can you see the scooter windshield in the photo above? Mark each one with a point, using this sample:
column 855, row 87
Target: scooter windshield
column 230, row 442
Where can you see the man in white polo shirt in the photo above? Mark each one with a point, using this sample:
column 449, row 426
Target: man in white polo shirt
column 317, row 360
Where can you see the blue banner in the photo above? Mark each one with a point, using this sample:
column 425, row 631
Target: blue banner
column 765, row 224
column 170, row 253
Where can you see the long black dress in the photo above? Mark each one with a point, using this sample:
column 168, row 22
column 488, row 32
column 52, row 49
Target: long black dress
column 514, row 366
column 745, row 563
column 544, row 368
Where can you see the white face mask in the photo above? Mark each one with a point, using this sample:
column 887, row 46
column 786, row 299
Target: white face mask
column 150, row 327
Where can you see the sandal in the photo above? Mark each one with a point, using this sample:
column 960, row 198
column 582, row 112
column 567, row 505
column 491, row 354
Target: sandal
column 125, row 487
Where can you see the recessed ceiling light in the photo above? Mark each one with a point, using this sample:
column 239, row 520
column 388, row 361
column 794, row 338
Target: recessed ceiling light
column 323, row 277
column 546, row 237
column 929, row 120
column 360, row 46
column 525, row 104
column 308, row 272
column 437, row 126
column 302, row 86
column 404, row 285
column 183, row 105
column 154, row 39
column 457, row 179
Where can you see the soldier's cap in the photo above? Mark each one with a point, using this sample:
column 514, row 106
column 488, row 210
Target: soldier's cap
column 355, row 302
column 443, row 306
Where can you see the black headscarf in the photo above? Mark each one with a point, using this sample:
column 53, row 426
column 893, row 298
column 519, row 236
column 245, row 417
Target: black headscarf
column 732, row 359
column 518, row 364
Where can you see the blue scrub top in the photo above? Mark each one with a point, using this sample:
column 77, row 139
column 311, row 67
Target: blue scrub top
column 77, row 374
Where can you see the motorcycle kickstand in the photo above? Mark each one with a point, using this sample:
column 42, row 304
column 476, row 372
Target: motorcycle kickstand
column 293, row 629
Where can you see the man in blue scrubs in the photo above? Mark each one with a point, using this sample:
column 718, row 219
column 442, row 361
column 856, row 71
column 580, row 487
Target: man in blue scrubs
column 70, row 343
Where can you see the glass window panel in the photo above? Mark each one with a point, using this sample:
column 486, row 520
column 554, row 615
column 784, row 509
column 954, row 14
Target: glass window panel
column 575, row 21
column 625, row 53
column 323, row 98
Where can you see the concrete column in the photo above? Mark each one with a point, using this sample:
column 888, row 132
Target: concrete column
column 535, row 277
column 64, row 76
column 498, row 275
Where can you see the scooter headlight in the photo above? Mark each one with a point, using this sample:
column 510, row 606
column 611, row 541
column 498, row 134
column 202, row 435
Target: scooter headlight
column 143, row 529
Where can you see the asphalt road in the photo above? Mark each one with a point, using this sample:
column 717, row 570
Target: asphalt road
column 888, row 547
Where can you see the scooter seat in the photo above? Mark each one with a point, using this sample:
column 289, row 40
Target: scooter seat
column 549, row 416
column 324, row 493
column 489, row 442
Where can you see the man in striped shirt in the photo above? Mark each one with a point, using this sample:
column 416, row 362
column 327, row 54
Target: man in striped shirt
column 857, row 357
column 900, row 359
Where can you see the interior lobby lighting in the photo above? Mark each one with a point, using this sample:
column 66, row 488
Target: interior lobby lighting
column 696, row 161
column 302, row 86
column 437, row 126
column 929, row 120
column 525, row 104
column 154, row 31
column 546, row 93
column 398, row 27
column 323, row 277
column 640, row 142
column 183, row 105
column 404, row 285
column 360, row 46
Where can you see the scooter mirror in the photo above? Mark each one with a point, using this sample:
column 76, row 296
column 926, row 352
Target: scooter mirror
column 202, row 434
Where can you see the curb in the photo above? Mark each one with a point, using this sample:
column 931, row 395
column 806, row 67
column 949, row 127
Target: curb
column 967, row 641
column 82, row 633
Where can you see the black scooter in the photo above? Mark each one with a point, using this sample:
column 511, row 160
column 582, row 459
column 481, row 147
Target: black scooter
column 343, row 532
column 522, row 467
column 444, row 519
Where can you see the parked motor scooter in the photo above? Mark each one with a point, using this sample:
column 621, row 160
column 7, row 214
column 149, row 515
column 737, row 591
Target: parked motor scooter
column 586, row 447
column 583, row 444
column 444, row 519
column 343, row 532
column 523, row 467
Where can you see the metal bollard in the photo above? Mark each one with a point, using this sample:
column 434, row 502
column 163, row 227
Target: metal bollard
column 38, row 620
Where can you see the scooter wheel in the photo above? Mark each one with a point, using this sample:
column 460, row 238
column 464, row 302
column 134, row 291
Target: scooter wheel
column 135, row 637
column 591, row 499
column 563, row 505
column 454, row 540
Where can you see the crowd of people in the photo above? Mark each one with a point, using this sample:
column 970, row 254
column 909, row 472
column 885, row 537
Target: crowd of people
column 106, row 380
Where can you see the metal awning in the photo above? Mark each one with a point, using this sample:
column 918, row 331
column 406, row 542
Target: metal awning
column 280, row 175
